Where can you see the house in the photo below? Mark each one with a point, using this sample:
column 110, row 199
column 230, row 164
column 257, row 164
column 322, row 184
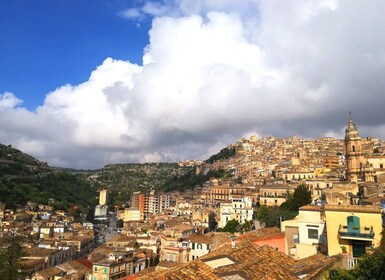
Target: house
column 353, row 230
column 245, row 260
column 305, row 235
column 274, row 195
column 272, row 237
column 202, row 244
column 174, row 249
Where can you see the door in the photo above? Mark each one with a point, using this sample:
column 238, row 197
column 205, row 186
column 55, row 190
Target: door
column 359, row 249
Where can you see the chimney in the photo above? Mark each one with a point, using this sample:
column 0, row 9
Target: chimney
column 233, row 244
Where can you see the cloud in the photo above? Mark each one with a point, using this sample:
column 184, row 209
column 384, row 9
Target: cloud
column 133, row 13
column 9, row 100
column 213, row 72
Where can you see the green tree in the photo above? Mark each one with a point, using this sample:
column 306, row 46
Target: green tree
column 119, row 223
column 300, row 197
column 10, row 257
column 231, row 226
column 247, row 226
column 212, row 222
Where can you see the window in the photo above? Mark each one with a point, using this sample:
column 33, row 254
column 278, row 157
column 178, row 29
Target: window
column 105, row 270
column 312, row 233
column 193, row 245
column 353, row 224
column 354, row 148
column 381, row 166
column 96, row 268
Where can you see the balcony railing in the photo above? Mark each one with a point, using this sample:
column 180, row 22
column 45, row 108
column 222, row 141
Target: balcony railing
column 351, row 262
column 361, row 233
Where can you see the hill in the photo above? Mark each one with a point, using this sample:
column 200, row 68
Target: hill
column 24, row 178
column 123, row 179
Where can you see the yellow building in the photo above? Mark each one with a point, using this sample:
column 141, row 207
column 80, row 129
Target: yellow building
column 131, row 215
column 103, row 197
column 354, row 229
column 115, row 266
column 274, row 195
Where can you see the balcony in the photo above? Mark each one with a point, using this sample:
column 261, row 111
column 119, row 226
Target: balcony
column 359, row 233
column 351, row 262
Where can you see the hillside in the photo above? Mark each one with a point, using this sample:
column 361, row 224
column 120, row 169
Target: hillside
column 24, row 178
column 123, row 179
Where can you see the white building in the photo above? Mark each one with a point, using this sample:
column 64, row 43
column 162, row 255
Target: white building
column 305, row 234
column 101, row 212
column 239, row 209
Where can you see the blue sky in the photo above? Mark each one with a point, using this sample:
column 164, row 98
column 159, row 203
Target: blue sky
column 49, row 43
column 212, row 73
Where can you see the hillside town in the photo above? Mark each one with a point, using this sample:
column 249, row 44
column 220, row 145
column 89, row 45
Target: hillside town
column 188, row 234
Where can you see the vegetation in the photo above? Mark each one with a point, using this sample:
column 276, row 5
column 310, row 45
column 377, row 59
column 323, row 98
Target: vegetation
column 231, row 226
column 223, row 154
column 123, row 179
column 119, row 223
column 23, row 179
column 271, row 216
column 10, row 257
column 190, row 180
column 234, row 226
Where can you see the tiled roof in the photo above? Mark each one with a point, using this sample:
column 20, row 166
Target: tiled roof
column 311, row 208
column 49, row 272
column 354, row 208
column 255, row 261
column 209, row 238
column 195, row 270
column 259, row 234
column 313, row 265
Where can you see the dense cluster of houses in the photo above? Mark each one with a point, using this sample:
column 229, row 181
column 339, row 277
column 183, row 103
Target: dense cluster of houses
column 177, row 235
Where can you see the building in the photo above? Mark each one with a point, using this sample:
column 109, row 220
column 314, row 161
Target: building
column 115, row 266
column 274, row 195
column 306, row 234
column 103, row 197
column 101, row 212
column 239, row 209
column 131, row 215
column 353, row 230
column 202, row 244
column 357, row 167
column 173, row 249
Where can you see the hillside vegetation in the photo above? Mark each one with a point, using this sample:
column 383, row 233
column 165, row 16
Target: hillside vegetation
column 123, row 179
column 24, row 178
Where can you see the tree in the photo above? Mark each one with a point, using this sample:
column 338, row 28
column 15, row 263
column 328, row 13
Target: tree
column 248, row 225
column 300, row 197
column 10, row 256
column 212, row 222
column 119, row 223
column 231, row 226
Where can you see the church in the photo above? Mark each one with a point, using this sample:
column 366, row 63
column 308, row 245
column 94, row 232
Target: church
column 362, row 165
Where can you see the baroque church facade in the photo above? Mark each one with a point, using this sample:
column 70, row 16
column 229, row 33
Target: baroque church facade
column 360, row 166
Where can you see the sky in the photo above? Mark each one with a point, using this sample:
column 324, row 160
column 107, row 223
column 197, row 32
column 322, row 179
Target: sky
column 88, row 83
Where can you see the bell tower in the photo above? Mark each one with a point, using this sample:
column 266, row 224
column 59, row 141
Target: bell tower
column 354, row 156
